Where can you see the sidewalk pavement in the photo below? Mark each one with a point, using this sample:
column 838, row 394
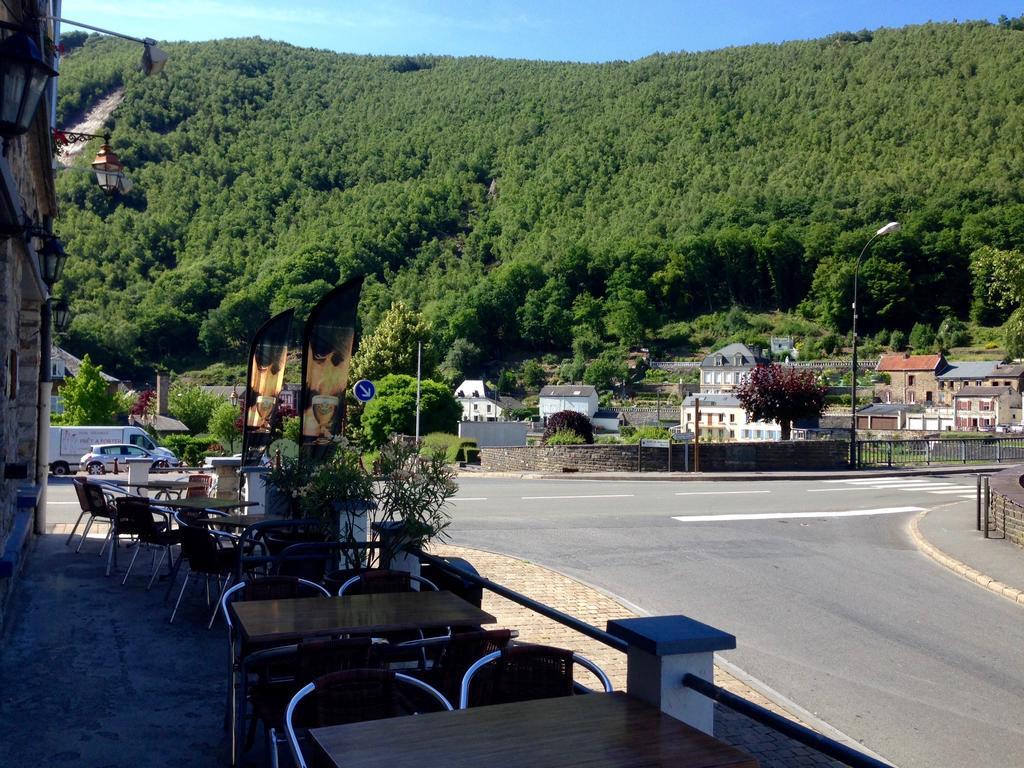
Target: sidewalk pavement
column 87, row 685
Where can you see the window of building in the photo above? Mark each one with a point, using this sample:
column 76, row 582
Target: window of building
column 476, row 406
column 709, row 378
column 718, row 378
column 489, row 407
column 732, row 418
column 910, row 379
column 911, row 397
column 927, row 397
column 721, row 418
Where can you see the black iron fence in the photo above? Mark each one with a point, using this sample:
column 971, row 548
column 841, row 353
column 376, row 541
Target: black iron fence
column 910, row 453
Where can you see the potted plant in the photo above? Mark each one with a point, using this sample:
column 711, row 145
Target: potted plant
column 336, row 494
column 411, row 501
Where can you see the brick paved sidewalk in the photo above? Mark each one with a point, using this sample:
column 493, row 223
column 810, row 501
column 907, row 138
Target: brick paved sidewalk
column 556, row 590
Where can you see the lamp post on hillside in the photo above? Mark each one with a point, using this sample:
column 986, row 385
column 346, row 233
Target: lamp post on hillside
column 892, row 226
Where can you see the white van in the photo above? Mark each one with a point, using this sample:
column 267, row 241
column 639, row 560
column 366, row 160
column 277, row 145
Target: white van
column 69, row 444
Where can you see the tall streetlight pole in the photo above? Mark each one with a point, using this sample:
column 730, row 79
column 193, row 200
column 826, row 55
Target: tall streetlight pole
column 892, row 226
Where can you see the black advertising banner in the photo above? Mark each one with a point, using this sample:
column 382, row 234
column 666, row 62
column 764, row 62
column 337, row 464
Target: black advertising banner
column 267, row 357
column 326, row 354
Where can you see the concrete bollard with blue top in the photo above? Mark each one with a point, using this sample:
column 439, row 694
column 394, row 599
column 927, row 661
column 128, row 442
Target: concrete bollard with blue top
column 661, row 650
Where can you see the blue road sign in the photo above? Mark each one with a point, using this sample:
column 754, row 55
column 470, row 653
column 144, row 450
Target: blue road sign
column 364, row 390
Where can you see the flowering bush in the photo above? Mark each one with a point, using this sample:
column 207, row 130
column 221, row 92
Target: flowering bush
column 569, row 420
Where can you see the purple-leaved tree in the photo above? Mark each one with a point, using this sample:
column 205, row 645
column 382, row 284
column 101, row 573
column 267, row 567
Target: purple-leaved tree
column 774, row 393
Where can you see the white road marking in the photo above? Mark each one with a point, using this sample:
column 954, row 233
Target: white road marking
column 828, row 490
column 953, row 490
column 716, row 493
column 593, row 496
column 872, row 480
column 793, row 515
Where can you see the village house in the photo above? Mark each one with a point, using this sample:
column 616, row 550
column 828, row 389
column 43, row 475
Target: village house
column 985, row 408
column 724, row 369
column 481, row 403
column 722, row 419
column 568, row 397
column 913, row 379
column 1007, row 375
column 963, row 374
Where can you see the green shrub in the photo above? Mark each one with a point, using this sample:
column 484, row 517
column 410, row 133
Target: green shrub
column 564, row 437
column 192, row 450
column 646, row 432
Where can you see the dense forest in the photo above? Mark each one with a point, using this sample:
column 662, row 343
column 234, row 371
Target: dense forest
column 533, row 208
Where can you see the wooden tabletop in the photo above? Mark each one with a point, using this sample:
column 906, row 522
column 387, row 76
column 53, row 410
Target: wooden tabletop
column 206, row 502
column 600, row 730
column 266, row 621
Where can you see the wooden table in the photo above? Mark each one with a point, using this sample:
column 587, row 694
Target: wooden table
column 289, row 620
column 600, row 730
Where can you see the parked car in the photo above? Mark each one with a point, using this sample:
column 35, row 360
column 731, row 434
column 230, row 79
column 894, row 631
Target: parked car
column 101, row 458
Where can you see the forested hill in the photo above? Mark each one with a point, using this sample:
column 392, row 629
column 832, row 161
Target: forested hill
column 540, row 207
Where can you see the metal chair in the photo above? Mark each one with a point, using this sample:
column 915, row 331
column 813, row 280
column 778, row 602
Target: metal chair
column 376, row 581
column 96, row 504
column 208, row 553
column 456, row 654
column 134, row 517
column 525, row 672
column 353, row 696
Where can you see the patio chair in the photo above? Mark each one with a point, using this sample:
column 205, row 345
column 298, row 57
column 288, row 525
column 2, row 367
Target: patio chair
column 134, row 517
column 456, row 655
column 96, row 503
column 273, row 676
column 354, row 696
column 377, row 581
column 525, row 672
column 208, row 553
column 198, row 486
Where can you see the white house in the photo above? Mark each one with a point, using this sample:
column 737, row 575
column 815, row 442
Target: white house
column 481, row 403
column 568, row 397
column 724, row 369
column 722, row 419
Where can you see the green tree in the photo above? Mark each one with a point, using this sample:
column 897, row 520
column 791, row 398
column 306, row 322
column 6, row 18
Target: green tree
column 393, row 410
column 898, row 340
column 225, row 425
column 922, row 337
column 86, row 397
column 192, row 405
column 462, row 358
column 392, row 346
column 607, row 372
column 533, row 374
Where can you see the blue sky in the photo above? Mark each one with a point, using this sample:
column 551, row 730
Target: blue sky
column 593, row 30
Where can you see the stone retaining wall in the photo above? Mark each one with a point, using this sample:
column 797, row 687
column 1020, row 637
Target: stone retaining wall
column 714, row 457
column 1006, row 505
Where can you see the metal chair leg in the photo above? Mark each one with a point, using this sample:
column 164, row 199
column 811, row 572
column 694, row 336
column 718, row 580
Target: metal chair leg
column 156, row 566
column 85, row 532
column 106, row 541
column 131, row 564
column 216, row 607
column 72, row 534
column 182, row 592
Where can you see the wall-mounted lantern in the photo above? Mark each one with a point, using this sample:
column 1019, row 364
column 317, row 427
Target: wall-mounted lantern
column 23, row 78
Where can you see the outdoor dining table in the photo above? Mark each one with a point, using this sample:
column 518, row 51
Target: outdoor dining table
column 207, row 502
column 600, row 730
column 285, row 621
column 261, row 623
column 163, row 488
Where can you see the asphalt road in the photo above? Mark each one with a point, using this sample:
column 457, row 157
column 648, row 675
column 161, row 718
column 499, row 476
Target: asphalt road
column 831, row 603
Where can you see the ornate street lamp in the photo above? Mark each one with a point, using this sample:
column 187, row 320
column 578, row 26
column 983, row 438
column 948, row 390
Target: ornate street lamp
column 892, row 226
column 61, row 315
column 106, row 165
column 24, row 75
column 51, row 259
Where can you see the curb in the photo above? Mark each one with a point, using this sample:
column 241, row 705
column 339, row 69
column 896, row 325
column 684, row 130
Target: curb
column 683, row 477
column 962, row 569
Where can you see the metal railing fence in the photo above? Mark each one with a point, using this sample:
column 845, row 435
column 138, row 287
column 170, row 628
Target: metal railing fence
column 906, row 453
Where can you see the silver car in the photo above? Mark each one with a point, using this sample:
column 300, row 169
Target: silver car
column 101, row 458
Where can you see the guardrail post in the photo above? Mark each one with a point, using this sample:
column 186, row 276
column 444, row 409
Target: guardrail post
column 978, row 500
column 662, row 649
column 999, row 451
column 963, row 451
column 889, row 445
column 928, row 453
column 984, row 503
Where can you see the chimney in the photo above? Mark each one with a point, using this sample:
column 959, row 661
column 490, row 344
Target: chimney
column 163, row 383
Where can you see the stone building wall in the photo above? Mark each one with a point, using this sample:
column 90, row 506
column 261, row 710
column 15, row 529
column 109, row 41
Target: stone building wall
column 714, row 457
